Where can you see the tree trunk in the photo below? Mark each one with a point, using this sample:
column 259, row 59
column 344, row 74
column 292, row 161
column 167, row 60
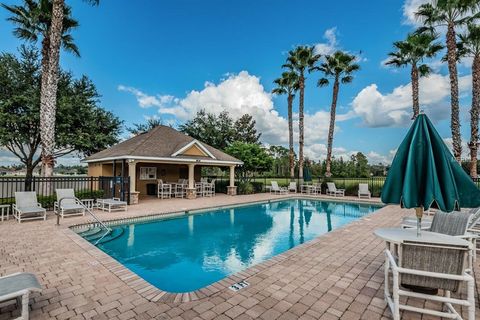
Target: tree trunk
column 28, row 175
column 452, row 69
column 291, row 153
column 300, row 128
column 48, row 95
column 474, row 116
column 416, row 104
column 331, row 128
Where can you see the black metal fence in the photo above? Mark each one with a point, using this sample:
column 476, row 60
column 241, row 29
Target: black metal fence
column 84, row 187
column 260, row 184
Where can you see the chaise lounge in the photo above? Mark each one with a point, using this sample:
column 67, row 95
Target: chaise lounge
column 67, row 204
column 19, row 286
column 26, row 207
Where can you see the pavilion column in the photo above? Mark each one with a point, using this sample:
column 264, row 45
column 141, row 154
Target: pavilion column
column 232, row 189
column 132, row 174
column 191, row 191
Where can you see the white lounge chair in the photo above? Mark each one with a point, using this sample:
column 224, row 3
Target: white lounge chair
column 433, row 266
column 113, row 204
column 276, row 189
column 69, row 206
column 26, row 207
column 292, row 187
column 363, row 191
column 333, row 191
column 19, row 286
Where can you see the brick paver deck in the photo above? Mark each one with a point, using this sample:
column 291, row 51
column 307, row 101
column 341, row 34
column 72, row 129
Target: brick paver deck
column 336, row 276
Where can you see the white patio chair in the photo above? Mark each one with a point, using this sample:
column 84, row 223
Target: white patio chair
column 292, row 187
column 164, row 190
column 199, row 187
column 70, row 205
column 316, row 188
column 19, row 286
column 333, row 191
column 26, row 207
column 363, row 191
column 453, row 224
column 276, row 189
column 432, row 266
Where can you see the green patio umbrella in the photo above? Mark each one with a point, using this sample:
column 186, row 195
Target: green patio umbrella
column 307, row 174
column 424, row 173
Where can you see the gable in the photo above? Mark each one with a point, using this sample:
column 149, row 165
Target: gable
column 194, row 151
column 194, row 148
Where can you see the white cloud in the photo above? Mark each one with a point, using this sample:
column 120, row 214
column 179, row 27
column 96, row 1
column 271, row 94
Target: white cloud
column 395, row 108
column 410, row 7
column 331, row 45
column 146, row 101
column 240, row 94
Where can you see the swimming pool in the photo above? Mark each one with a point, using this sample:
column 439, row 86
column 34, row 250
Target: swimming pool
column 192, row 251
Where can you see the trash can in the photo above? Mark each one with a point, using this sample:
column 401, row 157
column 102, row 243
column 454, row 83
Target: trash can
column 151, row 189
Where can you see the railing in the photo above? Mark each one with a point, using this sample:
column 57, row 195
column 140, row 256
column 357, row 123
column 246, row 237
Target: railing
column 260, row 184
column 84, row 187
column 87, row 209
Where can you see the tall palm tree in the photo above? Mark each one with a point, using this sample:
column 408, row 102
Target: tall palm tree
column 452, row 14
column 288, row 84
column 300, row 60
column 469, row 46
column 338, row 67
column 411, row 52
column 34, row 20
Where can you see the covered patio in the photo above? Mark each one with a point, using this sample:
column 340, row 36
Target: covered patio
column 161, row 155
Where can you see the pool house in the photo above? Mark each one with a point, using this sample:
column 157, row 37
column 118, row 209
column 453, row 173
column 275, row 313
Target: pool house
column 162, row 153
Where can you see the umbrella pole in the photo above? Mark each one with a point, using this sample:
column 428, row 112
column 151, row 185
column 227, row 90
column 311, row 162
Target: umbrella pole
column 419, row 213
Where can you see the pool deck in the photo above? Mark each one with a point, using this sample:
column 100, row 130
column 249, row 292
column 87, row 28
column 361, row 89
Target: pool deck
column 338, row 275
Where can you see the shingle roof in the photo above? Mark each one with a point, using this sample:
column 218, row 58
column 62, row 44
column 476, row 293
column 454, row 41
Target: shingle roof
column 160, row 142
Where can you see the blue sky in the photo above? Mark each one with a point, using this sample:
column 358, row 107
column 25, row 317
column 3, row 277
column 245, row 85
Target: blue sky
column 172, row 58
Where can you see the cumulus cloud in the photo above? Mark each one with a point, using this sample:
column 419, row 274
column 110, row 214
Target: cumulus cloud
column 331, row 44
column 395, row 108
column 410, row 7
column 238, row 94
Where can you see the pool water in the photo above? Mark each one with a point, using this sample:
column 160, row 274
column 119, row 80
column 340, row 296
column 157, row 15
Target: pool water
column 193, row 251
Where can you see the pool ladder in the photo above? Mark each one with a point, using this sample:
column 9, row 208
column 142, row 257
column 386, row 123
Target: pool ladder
column 87, row 209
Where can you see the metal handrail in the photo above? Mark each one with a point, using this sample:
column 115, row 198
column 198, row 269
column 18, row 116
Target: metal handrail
column 85, row 207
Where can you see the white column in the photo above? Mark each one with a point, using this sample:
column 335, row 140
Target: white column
column 232, row 176
column 132, row 173
column 191, row 176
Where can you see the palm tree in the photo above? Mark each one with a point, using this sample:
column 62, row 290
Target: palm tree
column 34, row 20
column 339, row 66
column 412, row 51
column 300, row 60
column 452, row 14
column 288, row 84
column 469, row 46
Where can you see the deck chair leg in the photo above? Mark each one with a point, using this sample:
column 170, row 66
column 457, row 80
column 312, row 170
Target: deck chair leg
column 25, row 300
column 471, row 299
column 396, row 296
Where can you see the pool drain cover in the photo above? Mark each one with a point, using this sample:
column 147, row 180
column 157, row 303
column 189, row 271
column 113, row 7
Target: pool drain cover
column 239, row 285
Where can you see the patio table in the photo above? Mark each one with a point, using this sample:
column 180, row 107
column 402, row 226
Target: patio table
column 5, row 208
column 395, row 236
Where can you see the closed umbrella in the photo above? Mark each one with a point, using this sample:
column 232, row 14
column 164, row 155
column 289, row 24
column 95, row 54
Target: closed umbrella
column 424, row 173
column 307, row 174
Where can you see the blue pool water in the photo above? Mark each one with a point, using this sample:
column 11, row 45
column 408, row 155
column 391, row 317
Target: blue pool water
column 190, row 252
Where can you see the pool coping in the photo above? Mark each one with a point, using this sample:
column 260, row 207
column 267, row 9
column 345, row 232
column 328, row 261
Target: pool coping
column 154, row 294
